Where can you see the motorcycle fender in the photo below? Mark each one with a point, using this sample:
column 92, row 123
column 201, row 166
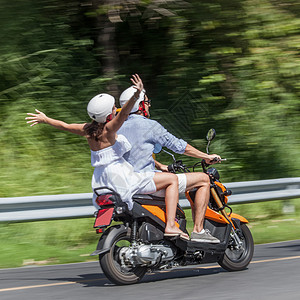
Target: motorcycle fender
column 107, row 238
column 236, row 216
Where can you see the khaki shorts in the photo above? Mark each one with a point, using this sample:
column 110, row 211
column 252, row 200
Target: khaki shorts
column 181, row 186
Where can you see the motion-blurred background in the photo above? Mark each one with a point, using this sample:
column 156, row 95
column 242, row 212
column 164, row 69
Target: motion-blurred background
column 232, row 65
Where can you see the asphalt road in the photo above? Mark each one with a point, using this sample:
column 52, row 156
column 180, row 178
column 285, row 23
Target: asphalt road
column 274, row 273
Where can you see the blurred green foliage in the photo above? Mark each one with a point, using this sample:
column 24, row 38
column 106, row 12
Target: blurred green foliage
column 232, row 65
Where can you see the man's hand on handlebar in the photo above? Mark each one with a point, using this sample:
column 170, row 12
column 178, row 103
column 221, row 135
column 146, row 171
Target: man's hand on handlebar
column 212, row 159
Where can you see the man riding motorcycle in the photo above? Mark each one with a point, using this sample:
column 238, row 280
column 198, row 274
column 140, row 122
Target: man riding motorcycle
column 143, row 133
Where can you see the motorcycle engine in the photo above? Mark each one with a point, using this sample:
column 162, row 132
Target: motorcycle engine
column 145, row 255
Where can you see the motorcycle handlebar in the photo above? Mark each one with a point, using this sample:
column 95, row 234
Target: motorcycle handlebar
column 171, row 168
column 179, row 166
column 216, row 159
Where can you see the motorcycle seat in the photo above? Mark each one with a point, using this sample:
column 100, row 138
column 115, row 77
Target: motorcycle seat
column 146, row 197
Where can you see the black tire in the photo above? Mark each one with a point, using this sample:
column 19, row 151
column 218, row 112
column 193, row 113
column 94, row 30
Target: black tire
column 111, row 266
column 237, row 260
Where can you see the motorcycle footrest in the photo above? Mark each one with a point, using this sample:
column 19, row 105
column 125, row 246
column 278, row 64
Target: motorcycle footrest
column 191, row 246
column 206, row 247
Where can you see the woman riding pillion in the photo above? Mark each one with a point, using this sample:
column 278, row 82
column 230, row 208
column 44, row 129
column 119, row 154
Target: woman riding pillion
column 107, row 150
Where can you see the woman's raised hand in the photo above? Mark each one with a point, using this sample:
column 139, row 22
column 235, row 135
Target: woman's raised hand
column 137, row 81
column 40, row 117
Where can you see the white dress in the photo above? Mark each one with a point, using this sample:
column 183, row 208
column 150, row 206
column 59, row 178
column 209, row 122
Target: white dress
column 114, row 172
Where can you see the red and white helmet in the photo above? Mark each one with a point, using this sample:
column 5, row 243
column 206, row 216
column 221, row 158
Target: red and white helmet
column 100, row 107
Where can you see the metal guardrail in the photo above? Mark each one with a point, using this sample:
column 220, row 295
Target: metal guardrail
column 80, row 205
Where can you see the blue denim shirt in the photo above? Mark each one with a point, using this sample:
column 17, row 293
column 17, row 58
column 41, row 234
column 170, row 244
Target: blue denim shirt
column 143, row 134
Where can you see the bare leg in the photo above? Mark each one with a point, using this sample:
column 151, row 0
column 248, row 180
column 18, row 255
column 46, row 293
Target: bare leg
column 169, row 182
column 200, row 181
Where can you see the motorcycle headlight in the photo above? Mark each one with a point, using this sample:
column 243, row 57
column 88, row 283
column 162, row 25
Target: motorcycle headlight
column 213, row 172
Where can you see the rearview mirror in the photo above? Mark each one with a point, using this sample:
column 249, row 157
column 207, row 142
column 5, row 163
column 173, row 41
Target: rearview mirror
column 211, row 134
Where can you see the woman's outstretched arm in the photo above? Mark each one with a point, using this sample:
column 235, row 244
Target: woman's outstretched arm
column 40, row 117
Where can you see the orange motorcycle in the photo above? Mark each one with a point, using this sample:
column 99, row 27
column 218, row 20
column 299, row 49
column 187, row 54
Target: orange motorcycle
column 135, row 243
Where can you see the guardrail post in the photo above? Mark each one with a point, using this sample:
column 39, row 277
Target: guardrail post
column 288, row 207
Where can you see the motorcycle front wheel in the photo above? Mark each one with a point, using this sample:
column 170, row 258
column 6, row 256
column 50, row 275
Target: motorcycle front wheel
column 238, row 259
column 111, row 263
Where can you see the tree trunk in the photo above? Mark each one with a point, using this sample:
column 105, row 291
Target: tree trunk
column 106, row 46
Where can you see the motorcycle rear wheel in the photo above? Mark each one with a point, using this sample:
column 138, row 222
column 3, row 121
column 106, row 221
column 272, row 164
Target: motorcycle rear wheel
column 237, row 260
column 111, row 264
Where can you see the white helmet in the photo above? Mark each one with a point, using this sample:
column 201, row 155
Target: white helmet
column 128, row 93
column 100, row 107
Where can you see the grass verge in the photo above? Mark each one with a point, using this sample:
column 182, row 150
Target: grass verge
column 67, row 241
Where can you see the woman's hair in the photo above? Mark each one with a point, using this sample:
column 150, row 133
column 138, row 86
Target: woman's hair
column 94, row 130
